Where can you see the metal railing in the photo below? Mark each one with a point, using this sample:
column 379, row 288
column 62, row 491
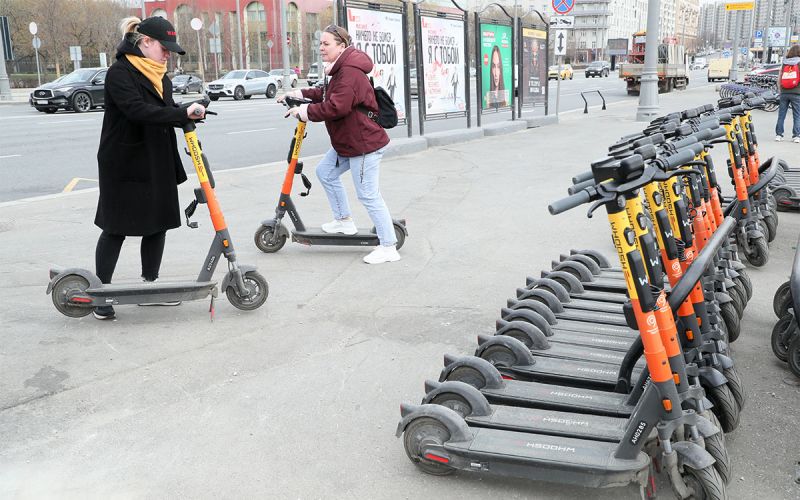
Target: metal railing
column 586, row 103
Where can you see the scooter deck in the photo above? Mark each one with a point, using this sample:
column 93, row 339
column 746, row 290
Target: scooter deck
column 593, row 317
column 554, row 423
column 557, row 397
column 138, row 293
column 547, row 458
column 592, row 305
column 568, row 372
column 582, row 353
column 567, row 325
column 319, row 237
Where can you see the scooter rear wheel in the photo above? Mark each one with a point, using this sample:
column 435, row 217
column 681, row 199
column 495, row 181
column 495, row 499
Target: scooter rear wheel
column 258, row 288
column 454, row 402
column 715, row 446
column 735, row 386
column 782, row 337
column 782, row 299
column 794, row 355
column 744, row 278
column 262, row 239
column 420, row 432
column 731, row 319
column 66, row 286
column 725, row 407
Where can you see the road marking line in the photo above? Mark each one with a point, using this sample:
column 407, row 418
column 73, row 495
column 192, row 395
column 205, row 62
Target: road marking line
column 10, row 156
column 248, row 131
column 74, row 182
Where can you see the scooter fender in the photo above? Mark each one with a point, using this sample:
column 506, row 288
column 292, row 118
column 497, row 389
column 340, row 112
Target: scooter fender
column 722, row 297
column 692, row 454
column 522, row 355
column 724, row 361
column 563, row 278
column 490, row 374
column 57, row 274
column 539, row 295
column 458, row 429
column 705, row 427
column 527, row 316
column 228, row 279
column 753, row 234
column 594, row 254
column 711, row 377
column 478, row 403
column 550, row 285
column 535, row 306
column 282, row 231
column 535, row 338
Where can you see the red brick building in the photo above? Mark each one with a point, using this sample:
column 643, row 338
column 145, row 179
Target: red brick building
column 260, row 25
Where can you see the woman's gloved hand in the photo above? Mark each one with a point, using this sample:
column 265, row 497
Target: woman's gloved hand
column 300, row 112
column 294, row 93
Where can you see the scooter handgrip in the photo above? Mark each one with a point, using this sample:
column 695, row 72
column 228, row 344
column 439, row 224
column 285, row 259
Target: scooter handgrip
column 582, row 177
column 684, row 142
column 580, row 186
column 569, row 202
column 683, row 156
column 716, row 133
column 755, row 102
column 708, row 122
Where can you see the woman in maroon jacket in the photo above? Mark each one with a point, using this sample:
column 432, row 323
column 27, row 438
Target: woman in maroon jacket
column 358, row 142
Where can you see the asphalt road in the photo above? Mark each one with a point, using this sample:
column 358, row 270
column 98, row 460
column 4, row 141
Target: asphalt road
column 46, row 154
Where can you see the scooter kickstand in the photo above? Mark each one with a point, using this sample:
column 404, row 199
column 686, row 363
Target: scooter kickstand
column 211, row 307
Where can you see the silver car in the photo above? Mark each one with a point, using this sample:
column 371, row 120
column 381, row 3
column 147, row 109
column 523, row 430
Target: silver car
column 243, row 84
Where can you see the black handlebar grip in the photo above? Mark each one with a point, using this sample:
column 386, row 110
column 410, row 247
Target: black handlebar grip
column 582, row 177
column 684, row 142
column 755, row 102
column 683, row 156
column 708, row 122
column 647, row 151
column 569, row 202
column 716, row 133
column 580, row 186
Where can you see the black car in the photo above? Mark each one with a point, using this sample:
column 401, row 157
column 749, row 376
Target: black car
column 79, row 91
column 183, row 84
column 598, row 68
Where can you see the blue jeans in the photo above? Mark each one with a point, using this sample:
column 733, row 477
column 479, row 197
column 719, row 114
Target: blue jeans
column 785, row 100
column 365, row 170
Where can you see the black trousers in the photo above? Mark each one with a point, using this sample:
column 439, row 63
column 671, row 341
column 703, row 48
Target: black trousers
column 108, row 248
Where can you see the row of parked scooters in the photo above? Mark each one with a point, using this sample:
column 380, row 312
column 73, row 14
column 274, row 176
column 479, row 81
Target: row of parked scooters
column 602, row 374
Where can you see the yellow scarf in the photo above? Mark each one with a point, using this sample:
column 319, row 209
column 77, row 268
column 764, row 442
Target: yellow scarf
column 152, row 70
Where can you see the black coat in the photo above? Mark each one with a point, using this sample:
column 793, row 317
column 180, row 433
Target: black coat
column 138, row 161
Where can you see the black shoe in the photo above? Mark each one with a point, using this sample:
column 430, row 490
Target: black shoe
column 104, row 312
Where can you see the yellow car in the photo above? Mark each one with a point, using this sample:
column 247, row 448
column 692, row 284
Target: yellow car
column 566, row 72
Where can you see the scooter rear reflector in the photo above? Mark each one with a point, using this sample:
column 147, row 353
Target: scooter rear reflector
column 437, row 458
column 506, row 377
column 81, row 300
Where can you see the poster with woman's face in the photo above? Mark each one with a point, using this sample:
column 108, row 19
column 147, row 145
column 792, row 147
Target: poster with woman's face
column 495, row 65
column 534, row 66
column 380, row 35
column 443, row 65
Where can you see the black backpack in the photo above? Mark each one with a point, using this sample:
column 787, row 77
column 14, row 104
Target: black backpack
column 386, row 116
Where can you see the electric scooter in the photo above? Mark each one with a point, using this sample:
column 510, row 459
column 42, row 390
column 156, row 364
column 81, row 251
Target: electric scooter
column 271, row 236
column 76, row 292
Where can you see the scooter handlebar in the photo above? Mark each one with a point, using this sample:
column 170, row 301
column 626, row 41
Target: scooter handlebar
column 569, row 202
column 683, row 156
column 293, row 102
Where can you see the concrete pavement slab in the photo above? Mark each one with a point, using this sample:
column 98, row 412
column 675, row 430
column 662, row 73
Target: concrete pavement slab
column 300, row 398
column 503, row 128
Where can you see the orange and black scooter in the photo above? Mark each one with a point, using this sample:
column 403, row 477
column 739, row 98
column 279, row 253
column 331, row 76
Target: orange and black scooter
column 76, row 292
column 272, row 234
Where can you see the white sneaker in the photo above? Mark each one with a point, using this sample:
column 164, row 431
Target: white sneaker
column 382, row 254
column 778, row 138
column 796, row 139
column 345, row 226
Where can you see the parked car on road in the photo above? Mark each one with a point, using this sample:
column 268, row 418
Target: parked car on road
column 566, row 72
column 772, row 69
column 313, row 74
column 183, row 84
column 243, row 84
column 598, row 68
column 79, row 91
column 278, row 74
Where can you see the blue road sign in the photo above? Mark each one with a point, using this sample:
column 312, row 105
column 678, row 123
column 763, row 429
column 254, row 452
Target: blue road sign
column 563, row 6
column 726, row 53
column 759, row 34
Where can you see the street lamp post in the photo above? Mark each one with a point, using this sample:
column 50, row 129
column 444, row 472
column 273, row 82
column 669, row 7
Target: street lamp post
column 33, row 28
column 648, row 88
column 197, row 25
column 239, row 31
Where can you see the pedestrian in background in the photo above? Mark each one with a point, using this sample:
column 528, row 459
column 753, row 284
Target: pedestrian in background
column 789, row 87
column 138, row 164
column 358, row 141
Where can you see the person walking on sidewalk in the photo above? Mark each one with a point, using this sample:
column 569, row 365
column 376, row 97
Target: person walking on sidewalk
column 357, row 141
column 789, row 94
column 138, row 164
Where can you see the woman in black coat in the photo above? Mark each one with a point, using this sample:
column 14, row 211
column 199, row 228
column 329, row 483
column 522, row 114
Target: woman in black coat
column 139, row 166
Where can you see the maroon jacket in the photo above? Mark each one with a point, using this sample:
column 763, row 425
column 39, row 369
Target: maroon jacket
column 352, row 132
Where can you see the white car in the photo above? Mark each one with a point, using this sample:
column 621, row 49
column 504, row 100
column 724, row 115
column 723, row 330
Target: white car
column 278, row 74
column 243, row 84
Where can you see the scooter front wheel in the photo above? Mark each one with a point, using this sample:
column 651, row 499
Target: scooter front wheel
column 782, row 299
column 704, row 484
column 263, row 239
column 64, row 289
column 258, row 288
column 782, row 335
column 794, row 356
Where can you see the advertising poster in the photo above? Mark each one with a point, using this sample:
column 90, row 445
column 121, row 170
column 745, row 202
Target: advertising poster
column 443, row 65
column 496, row 66
column 380, row 35
column 533, row 86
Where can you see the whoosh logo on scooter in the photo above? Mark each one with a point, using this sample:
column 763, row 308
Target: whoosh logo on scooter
column 570, row 395
column 565, row 421
column 549, row 447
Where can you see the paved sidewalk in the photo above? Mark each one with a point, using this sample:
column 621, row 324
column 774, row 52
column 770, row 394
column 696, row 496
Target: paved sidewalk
column 300, row 399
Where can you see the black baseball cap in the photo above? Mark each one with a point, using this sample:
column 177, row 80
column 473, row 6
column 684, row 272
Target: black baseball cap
column 162, row 30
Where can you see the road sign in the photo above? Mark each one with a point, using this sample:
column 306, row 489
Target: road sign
column 740, row 6
column 196, row 23
column 75, row 53
column 562, row 22
column 777, row 36
column 560, row 48
column 33, row 28
column 214, row 46
column 794, row 39
column 37, row 43
column 214, row 29
column 562, row 6
column 759, row 35
column 270, row 43
column 726, row 53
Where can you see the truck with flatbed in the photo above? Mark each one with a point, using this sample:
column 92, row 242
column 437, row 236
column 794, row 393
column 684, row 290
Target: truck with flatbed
column 671, row 66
